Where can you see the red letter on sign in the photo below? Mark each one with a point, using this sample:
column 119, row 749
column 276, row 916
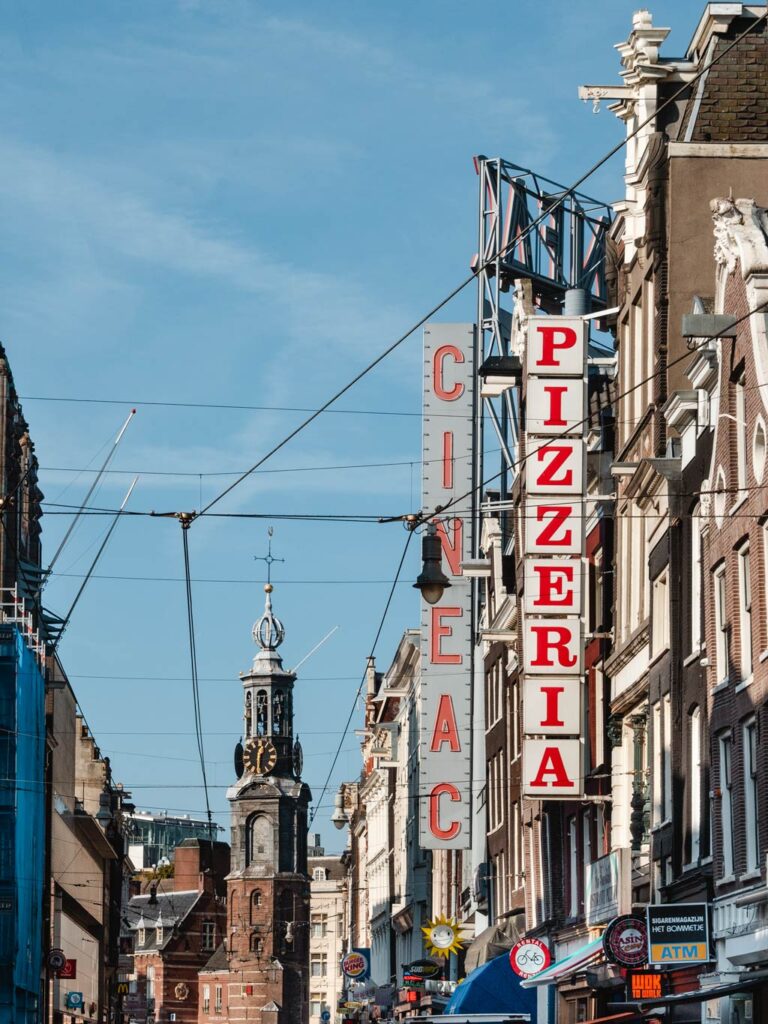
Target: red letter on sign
column 559, row 644
column 555, row 393
column 448, row 459
column 559, row 517
column 552, row 764
column 438, row 631
column 552, row 695
column 549, row 345
column 552, row 579
column 452, row 548
column 443, row 788
column 445, row 730
column 554, row 457
column 437, row 373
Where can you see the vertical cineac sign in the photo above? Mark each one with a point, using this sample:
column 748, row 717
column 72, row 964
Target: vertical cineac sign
column 446, row 627
column 553, row 513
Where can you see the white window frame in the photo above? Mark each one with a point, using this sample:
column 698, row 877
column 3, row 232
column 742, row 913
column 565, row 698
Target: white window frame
column 721, row 623
column 666, row 706
column 745, row 612
column 751, row 819
column 658, row 777
column 218, row 999
column 741, row 436
column 206, row 999
column 694, row 776
column 660, row 613
column 573, row 855
column 725, row 747
column 696, row 601
column 208, row 936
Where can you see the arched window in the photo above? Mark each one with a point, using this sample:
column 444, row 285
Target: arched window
column 278, row 713
column 255, row 904
column 233, row 907
column 257, row 944
column 260, row 841
column 248, row 710
column 261, row 713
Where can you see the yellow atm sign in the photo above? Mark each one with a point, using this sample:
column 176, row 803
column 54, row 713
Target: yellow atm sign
column 679, row 953
column 678, row 934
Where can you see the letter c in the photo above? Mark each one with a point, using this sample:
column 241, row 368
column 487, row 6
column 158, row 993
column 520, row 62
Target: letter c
column 449, row 790
column 437, row 372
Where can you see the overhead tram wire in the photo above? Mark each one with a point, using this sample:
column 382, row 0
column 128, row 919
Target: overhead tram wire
column 555, row 204
column 439, row 510
column 195, row 681
column 362, row 681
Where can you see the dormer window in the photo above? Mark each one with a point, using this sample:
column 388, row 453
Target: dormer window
column 142, row 935
column 319, row 875
column 160, row 935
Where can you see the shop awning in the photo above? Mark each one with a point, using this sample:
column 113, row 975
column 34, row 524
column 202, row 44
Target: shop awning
column 493, row 988
column 564, row 968
column 627, row 1017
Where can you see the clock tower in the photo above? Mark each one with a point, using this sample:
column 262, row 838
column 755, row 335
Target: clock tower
column 261, row 971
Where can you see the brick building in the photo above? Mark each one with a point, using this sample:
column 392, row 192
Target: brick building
column 172, row 930
column 260, row 971
column 735, row 566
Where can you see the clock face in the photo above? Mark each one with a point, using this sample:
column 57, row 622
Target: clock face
column 260, row 756
column 298, row 759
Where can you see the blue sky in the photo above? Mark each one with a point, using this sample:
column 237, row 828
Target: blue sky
column 242, row 203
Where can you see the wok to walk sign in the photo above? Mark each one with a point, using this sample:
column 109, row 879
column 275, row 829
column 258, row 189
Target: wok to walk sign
column 446, row 627
column 553, row 517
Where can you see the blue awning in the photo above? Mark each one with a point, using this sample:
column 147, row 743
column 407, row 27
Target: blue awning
column 492, row 988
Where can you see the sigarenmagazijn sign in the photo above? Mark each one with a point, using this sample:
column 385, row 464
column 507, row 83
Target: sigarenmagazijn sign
column 678, row 933
column 446, row 633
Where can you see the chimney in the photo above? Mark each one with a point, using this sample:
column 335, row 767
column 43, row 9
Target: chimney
column 201, row 865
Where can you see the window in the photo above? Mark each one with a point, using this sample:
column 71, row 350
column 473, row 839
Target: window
column 318, row 967
column 217, row 1005
column 694, row 781
column 319, row 924
column 660, row 614
column 721, row 625
column 319, row 874
column 208, row 935
column 142, row 932
column 657, row 764
column 666, row 706
column 573, row 860
column 150, row 983
column 741, row 433
column 255, row 904
column 517, row 871
column 750, row 795
column 159, row 935
column 745, row 612
column 206, row 998
column 257, row 944
column 317, row 1004
column 597, row 594
column 696, row 602
column 726, row 802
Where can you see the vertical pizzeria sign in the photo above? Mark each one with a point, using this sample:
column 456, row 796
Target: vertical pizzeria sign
column 446, row 629
column 553, row 517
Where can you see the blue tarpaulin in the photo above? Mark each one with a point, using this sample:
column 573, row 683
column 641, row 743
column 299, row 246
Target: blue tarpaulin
column 493, row 988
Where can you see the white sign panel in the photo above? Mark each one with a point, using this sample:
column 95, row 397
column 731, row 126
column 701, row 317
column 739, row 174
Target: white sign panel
column 552, row 768
column 552, row 586
column 553, row 515
column 554, row 406
column 552, row 706
column 556, row 346
column 553, row 526
column 446, row 638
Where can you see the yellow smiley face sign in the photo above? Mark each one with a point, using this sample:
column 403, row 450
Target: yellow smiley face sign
column 442, row 936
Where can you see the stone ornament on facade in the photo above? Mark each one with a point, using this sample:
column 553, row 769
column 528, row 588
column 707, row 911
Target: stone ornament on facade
column 741, row 231
column 181, row 991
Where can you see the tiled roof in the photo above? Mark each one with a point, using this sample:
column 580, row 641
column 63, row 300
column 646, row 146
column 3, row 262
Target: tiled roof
column 218, row 961
column 167, row 910
column 732, row 105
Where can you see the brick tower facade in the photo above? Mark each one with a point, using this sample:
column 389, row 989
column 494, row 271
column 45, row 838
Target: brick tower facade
column 261, row 971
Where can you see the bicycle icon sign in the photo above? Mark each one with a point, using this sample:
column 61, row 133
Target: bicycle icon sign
column 528, row 957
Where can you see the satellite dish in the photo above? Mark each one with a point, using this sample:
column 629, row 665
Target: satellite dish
column 239, row 764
